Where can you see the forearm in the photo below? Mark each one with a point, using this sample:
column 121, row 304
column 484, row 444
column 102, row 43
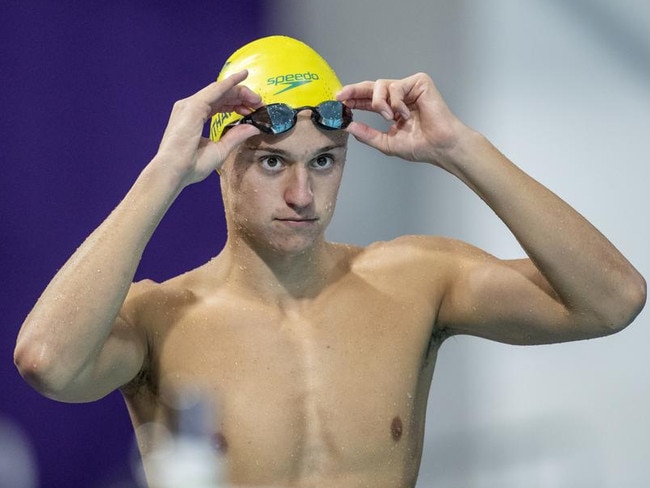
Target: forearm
column 591, row 285
column 76, row 312
column 588, row 274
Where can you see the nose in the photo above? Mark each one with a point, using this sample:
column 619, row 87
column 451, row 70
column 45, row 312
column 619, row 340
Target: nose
column 298, row 191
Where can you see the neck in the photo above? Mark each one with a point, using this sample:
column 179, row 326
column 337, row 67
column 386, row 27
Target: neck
column 275, row 275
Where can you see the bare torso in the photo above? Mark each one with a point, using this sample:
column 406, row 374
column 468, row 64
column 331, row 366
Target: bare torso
column 330, row 391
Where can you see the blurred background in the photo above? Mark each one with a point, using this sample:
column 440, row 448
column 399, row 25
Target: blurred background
column 562, row 88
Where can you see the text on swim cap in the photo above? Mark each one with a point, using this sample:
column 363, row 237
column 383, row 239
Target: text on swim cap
column 291, row 80
column 217, row 122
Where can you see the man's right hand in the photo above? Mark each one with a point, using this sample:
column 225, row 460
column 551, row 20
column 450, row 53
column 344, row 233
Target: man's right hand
column 184, row 151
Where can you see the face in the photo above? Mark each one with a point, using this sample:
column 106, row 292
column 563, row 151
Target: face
column 280, row 191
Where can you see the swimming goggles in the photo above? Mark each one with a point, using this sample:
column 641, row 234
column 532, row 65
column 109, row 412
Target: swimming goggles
column 277, row 118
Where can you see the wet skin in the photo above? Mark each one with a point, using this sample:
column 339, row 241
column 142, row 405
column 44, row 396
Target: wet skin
column 317, row 354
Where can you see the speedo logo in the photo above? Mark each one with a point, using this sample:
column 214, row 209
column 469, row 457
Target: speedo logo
column 291, row 80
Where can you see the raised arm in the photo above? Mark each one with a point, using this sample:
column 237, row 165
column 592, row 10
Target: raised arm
column 575, row 285
column 78, row 343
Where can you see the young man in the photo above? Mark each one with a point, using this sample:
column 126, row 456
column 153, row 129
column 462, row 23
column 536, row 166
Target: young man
column 319, row 355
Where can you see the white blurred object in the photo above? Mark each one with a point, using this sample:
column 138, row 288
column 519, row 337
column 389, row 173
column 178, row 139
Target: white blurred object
column 17, row 463
column 187, row 457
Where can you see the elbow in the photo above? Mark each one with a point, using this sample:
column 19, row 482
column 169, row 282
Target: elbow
column 37, row 366
column 29, row 360
column 636, row 297
column 626, row 304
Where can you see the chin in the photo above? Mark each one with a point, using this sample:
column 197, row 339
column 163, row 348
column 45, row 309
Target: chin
column 292, row 248
column 294, row 245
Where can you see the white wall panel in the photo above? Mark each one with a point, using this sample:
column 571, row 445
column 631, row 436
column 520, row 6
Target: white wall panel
column 563, row 88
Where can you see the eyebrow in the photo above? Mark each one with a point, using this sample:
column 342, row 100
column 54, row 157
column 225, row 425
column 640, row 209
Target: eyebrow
column 283, row 153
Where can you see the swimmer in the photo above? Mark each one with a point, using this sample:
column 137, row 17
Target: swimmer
column 319, row 355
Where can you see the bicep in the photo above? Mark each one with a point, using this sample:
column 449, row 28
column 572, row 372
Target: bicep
column 119, row 360
column 504, row 301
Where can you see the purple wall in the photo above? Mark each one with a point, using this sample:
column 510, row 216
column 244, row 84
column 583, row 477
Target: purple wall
column 86, row 90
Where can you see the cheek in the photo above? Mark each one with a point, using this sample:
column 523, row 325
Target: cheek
column 329, row 197
column 329, row 207
column 248, row 199
column 236, row 183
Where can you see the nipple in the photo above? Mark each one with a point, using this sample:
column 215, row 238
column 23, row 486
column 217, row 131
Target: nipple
column 396, row 429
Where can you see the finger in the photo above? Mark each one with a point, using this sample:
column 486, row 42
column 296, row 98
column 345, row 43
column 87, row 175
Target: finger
column 360, row 104
column 212, row 155
column 233, row 137
column 216, row 89
column 380, row 100
column 244, row 110
column 356, row 91
column 366, row 95
column 397, row 93
column 371, row 96
column 226, row 94
column 241, row 100
column 368, row 135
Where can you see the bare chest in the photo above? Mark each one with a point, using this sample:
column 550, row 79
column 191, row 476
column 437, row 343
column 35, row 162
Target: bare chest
column 333, row 387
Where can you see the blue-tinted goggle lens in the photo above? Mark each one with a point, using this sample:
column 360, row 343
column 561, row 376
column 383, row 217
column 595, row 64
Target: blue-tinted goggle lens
column 277, row 118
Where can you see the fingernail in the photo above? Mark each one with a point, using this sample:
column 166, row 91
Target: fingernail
column 387, row 115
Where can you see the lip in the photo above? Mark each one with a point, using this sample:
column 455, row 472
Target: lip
column 297, row 222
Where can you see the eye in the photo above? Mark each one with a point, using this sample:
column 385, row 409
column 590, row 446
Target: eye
column 324, row 161
column 271, row 163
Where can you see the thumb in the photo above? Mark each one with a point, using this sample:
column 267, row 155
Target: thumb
column 367, row 135
column 231, row 139
column 235, row 136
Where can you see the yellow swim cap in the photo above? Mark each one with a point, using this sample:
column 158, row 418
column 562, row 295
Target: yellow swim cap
column 281, row 70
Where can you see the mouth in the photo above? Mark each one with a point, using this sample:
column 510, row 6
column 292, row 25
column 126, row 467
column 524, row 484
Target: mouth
column 297, row 221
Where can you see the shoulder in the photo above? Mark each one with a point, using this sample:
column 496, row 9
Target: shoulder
column 413, row 265
column 152, row 309
column 148, row 292
column 148, row 299
column 413, row 251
